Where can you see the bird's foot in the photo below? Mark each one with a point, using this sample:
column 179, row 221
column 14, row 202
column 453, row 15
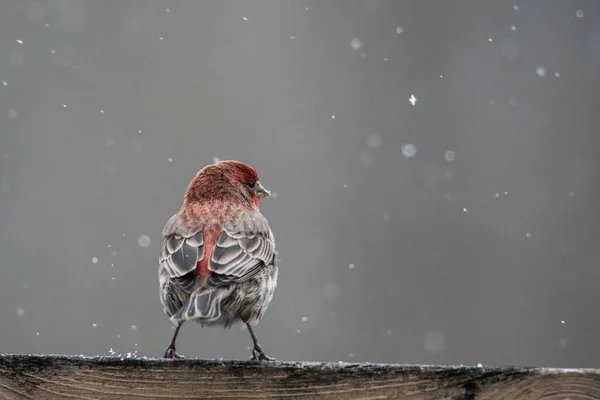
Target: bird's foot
column 171, row 353
column 260, row 355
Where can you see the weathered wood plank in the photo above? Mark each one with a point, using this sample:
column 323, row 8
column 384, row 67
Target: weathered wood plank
column 63, row 377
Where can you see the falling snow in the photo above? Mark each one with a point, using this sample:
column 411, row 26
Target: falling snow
column 449, row 156
column 399, row 30
column 540, row 71
column 412, row 99
column 374, row 141
column 144, row 241
column 579, row 13
column 304, row 319
column 356, row 44
column 351, row 266
column 94, row 260
column 434, row 341
column 20, row 311
column 408, row 150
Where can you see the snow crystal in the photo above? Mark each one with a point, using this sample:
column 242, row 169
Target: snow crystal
column 64, row 106
column 167, row 10
column 170, row 159
column 374, row 141
column 94, row 325
column 160, row 38
column 412, row 99
column 497, row 194
column 292, row 37
column 563, row 322
column 101, row 111
column 19, row 41
column 513, row 28
column 557, row 74
column 37, row 334
column 20, row 311
column 134, row 327
column 408, row 150
column 479, row 365
column 4, row 83
column 304, row 319
column 540, row 71
column 144, row 241
column 516, row 7
column 490, row 40
column 579, row 13
column 356, row 44
column 434, row 341
column 450, row 156
column 465, row 209
column 333, row 117
column 245, row 19
column 528, row 235
column 399, row 30
column 351, row 266
column 94, row 260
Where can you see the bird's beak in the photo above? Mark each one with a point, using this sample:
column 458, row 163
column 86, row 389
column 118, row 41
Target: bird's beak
column 261, row 191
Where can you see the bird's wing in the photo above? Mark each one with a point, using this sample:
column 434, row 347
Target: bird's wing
column 241, row 250
column 182, row 249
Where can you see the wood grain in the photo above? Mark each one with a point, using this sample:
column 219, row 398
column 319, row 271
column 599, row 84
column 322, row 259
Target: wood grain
column 63, row 377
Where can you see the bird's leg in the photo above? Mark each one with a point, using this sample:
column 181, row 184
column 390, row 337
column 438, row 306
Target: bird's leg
column 170, row 351
column 257, row 352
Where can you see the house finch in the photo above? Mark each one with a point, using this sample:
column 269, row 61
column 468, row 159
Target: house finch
column 218, row 264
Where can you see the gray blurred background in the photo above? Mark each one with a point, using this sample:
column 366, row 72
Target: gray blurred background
column 437, row 165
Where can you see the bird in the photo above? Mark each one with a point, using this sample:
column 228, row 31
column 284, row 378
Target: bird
column 218, row 262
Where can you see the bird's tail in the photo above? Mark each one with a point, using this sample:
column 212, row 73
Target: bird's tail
column 203, row 305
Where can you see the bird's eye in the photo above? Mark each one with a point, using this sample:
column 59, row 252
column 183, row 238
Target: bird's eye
column 251, row 183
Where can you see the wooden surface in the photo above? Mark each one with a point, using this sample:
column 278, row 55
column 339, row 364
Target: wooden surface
column 64, row 377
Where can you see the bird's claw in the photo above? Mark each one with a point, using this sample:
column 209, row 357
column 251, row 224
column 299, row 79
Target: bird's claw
column 260, row 355
column 171, row 353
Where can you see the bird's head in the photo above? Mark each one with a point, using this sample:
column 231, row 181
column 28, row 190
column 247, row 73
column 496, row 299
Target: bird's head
column 228, row 181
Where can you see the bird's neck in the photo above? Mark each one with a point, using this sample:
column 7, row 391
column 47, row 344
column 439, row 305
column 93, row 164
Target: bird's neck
column 212, row 215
